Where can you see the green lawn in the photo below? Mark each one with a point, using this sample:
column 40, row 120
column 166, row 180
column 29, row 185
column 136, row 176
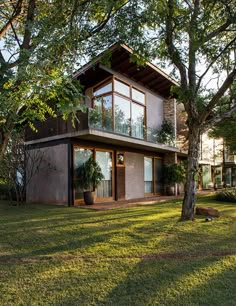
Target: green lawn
column 143, row 255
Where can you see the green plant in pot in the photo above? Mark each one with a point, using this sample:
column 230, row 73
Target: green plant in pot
column 89, row 177
column 173, row 174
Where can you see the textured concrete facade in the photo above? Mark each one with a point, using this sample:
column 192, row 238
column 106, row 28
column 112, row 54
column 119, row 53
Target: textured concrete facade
column 134, row 176
column 154, row 111
column 50, row 183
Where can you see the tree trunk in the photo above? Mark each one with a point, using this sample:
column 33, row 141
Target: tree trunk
column 4, row 140
column 191, row 175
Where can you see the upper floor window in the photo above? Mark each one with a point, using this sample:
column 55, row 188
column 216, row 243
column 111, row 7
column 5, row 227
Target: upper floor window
column 100, row 90
column 138, row 96
column 119, row 107
column 121, row 88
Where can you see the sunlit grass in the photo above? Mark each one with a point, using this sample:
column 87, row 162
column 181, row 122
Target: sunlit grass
column 143, row 255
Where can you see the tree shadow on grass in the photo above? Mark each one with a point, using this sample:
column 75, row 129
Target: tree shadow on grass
column 207, row 281
column 106, row 236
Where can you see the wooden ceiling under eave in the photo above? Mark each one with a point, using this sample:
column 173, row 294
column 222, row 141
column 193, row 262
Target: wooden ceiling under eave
column 149, row 76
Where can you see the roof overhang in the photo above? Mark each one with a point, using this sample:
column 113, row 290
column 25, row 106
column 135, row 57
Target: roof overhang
column 148, row 75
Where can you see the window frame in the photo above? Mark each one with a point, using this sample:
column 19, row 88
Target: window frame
column 154, row 158
column 94, row 151
column 130, row 99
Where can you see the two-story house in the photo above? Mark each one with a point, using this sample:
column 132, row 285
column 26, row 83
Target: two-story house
column 126, row 106
column 218, row 165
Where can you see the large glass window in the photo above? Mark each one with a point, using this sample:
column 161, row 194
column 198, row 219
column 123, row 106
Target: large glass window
column 104, row 160
column 122, row 115
column 120, row 108
column 206, row 176
column 81, row 155
column 137, row 120
column 228, row 177
column 153, row 175
column 158, row 172
column 102, row 115
column 138, row 96
column 148, row 175
column 122, row 88
column 102, row 89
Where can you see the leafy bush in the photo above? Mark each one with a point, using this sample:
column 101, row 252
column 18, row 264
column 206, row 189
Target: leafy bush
column 166, row 134
column 89, row 175
column 227, row 195
column 174, row 173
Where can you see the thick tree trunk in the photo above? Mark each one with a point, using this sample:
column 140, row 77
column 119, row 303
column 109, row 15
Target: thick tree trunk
column 4, row 140
column 191, row 176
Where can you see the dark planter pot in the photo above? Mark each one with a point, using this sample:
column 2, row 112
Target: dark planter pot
column 89, row 197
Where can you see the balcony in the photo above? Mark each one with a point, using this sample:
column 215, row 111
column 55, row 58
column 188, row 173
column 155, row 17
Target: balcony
column 125, row 127
column 92, row 126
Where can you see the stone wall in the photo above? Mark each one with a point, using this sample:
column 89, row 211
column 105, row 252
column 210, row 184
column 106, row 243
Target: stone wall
column 170, row 158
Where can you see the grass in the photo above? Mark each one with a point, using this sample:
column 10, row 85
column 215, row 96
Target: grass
column 143, row 255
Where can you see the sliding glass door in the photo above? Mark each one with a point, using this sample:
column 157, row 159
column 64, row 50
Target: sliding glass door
column 81, row 155
column 158, row 175
column 105, row 161
column 148, row 175
column 153, row 175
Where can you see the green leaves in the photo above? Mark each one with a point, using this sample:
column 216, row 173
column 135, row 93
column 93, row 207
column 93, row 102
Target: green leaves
column 89, row 174
column 39, row 50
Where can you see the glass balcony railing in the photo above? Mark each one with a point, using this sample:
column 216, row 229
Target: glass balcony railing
column 104, row 122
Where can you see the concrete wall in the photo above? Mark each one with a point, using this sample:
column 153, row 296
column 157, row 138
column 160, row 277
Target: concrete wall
column 154, row 110
column 50, row 183
column 134, row 175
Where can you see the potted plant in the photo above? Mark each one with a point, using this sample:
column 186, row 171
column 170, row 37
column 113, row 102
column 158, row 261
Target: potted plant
column 173, row 174
column 166, row 134
column 89, row 177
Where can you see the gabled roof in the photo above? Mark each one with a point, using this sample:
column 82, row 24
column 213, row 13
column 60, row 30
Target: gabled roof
column 149, row 75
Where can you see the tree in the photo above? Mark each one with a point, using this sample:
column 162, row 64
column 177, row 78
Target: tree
column 198, row 38
column 41, row 43
column 12, row 166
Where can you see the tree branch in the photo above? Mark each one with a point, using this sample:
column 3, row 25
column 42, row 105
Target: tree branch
column 28, row 25
column 15, row 14
column 217, row 31
column 219, row 119
column 192, row 49
column 228, row 81
column 2, row 59
column 16, row 36
column 103, row 23
column 173, row 52
column 214, row 60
